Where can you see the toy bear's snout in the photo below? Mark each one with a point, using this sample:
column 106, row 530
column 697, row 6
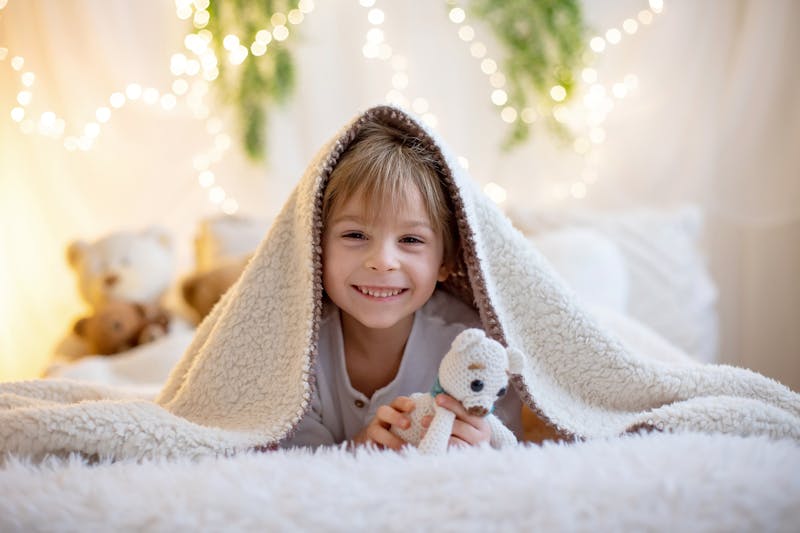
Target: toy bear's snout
column 478, row 410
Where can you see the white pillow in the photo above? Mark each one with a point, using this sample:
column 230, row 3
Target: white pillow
column 225, row 238
column 670, row 288
column 590, row 263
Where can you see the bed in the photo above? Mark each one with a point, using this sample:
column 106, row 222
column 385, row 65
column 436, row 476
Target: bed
column 641, row 275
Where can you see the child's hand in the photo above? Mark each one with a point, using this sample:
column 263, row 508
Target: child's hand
column 377, row 431
column 468, row 430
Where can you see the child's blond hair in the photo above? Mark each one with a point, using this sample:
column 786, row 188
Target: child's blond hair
column 380, row 163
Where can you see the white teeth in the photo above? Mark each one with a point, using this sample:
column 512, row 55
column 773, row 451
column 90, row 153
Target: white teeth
column 380, row 293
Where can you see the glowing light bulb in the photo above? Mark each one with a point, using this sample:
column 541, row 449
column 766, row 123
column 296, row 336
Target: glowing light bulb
column 230, row 42
column 499, row 97
column 28, row 78
column 375, row 16
column 24, row 97
column 180, row 87
column 258, row 49
column 17, row 114
column 117, row 100
column 263, row 37
column 620, row 90
column 307, row 6
column 466, row 33
column 150, row 96
column 103, row 114
column 278, row 19
column 295, row 16
column 206, row 179
column 598, row 44
column 488, row 66
column 509, row 114
column 497, row 80
column 133, row 91
column 657, row 5
column 280, row 33
column 457, row 15
column 478, row 50
column 17, row 63
column 48, row 119
column 613, row 36
column 645, row 17
column 630, row 26
column 558, row 93
column 367, row 3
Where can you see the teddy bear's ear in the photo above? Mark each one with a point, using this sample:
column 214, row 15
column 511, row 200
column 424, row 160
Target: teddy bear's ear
column 517, row 361
column 161, row 235
column 75, row 251
column 79, row 328
column 468, row 337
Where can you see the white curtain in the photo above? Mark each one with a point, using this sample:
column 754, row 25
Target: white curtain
column 715, row 120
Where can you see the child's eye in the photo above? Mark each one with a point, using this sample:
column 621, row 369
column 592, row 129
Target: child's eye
column 354, row 235
column 411, row 240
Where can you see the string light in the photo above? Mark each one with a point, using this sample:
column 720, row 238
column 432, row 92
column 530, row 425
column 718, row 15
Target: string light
column 598, row 101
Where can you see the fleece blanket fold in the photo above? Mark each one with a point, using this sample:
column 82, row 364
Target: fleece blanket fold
column 246, row 379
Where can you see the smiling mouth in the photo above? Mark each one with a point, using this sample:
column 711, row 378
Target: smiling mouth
column 379, row 292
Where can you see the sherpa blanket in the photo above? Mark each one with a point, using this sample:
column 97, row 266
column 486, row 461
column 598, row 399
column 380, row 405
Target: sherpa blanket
column 246, row 379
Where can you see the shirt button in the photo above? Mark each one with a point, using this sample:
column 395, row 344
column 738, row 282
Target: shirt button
column 360, row 403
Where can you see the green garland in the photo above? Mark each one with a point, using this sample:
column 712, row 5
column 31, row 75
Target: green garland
column 259, row 83
column 543, row 40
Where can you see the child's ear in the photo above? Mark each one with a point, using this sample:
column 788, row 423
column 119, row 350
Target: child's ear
column 444, row 272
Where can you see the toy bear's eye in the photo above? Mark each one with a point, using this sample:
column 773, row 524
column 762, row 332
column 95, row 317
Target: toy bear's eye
column 501, row 392
column 476, row 385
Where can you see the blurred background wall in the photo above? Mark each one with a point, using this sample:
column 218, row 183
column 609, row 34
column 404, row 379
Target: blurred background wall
column 707, row 113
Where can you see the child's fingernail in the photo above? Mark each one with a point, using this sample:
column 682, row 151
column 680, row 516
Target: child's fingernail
column 440, row 400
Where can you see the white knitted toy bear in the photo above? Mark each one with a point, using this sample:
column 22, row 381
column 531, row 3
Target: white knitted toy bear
column 474, row 372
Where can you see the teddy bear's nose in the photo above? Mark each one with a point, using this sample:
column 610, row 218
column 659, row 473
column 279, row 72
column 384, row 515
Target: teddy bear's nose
column 111, row 280
column 477, row 410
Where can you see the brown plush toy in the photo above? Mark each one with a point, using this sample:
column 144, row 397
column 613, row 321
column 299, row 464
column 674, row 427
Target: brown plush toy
column 118, row 326
column 204, row 289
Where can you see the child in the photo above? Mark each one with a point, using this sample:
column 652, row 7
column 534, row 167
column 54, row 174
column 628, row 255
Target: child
column 389, row 238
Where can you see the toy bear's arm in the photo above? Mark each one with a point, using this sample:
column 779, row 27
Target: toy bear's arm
column 438, row 434
column 501, row 435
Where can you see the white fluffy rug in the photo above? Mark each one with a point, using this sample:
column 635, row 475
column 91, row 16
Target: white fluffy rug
column 658, row 482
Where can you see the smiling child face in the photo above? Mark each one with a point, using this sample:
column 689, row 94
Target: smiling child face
column 379, row 270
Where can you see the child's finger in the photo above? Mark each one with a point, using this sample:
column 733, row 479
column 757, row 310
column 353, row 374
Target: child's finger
column 455, row 442
column 426, row 421
column 384, row 437
column 451, row 404
column 391, row 417
column 469, row 433
column 404, row 404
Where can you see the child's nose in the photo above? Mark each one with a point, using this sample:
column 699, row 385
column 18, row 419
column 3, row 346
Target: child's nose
column 382, row 257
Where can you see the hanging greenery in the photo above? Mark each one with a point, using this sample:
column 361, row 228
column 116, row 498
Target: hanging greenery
column 544, row 45
column 543, row 41
column 260, row 83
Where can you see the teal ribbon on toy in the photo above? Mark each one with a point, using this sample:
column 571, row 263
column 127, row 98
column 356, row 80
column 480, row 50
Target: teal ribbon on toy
column 437, row 389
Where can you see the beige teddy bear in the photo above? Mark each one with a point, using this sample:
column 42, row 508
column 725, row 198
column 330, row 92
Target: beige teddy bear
column 475, row 372
column 123, row 266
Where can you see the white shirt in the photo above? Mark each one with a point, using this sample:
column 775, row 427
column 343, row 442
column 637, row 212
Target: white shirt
column 338, row 411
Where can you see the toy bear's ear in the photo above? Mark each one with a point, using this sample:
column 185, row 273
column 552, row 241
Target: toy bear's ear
column 75, row 251
column 79, row 328
column 517, row 361
column 161, row 235
column 468, row 337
